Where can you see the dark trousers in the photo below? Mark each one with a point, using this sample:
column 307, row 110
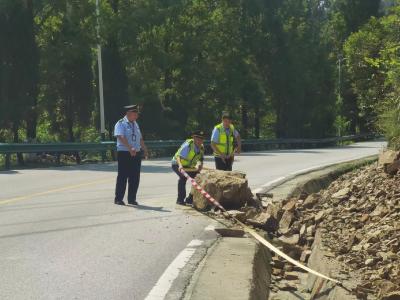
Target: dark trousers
column 226, row 165
column 128, row 169
column 182, row 184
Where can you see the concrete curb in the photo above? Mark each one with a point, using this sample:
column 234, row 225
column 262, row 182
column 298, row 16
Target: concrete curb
column 235, row 268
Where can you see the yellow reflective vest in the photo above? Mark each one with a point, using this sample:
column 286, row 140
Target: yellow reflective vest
column 193, row 158
column 225, row 142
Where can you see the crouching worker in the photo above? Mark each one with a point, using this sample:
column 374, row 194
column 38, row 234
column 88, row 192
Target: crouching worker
column 190, row 158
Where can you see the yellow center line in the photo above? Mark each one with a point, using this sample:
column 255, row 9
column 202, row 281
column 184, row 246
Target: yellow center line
column 66, row 188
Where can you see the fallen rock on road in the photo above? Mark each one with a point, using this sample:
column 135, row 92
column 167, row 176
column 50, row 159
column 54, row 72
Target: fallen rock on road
column 230, row 189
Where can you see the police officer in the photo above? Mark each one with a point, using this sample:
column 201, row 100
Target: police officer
column 223, row 140
column 187, row 157
column 130, row 148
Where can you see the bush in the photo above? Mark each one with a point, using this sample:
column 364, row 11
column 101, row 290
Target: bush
column 389, row 122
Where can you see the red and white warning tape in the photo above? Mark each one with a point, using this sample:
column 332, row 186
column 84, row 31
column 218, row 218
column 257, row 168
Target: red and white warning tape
column 202, row 191
column 253, row 233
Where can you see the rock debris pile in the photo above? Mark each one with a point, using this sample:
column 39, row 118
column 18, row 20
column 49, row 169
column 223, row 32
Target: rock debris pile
column 361, row 227
column 358, row 217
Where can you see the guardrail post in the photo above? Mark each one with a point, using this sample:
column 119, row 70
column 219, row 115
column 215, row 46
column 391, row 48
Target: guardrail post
column 77, row 158
column 7, row 163
column 113, row 156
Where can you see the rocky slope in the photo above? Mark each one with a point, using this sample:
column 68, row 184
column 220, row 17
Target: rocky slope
column 358, row 217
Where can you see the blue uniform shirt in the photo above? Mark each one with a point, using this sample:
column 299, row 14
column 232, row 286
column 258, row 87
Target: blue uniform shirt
column 129, row 130
column 185, row 152
column 215, row 134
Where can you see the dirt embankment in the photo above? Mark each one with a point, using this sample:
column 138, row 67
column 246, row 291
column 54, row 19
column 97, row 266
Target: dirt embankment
column 357, row 219
column 354, row 223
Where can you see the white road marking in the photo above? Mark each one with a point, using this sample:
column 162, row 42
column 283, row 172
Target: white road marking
column 164, row 283
column 302, row 171
column 209, row 228
column 194, row 243
column 257, row 190
column 269, row 183
column 306, row 170
column 274, row 181
column 326, row 165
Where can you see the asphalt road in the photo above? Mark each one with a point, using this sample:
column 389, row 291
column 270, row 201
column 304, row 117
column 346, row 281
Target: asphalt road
column 61, row 236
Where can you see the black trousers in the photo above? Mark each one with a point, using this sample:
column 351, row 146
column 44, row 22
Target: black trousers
column 182, row 184
column 226, row 165
column 128, row 170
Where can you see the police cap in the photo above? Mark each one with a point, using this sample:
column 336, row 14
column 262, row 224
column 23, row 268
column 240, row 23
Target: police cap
column 226, row 115
column 132, row 108
column 198, row 133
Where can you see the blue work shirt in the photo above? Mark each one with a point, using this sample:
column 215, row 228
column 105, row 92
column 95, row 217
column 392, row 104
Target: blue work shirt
column 129, row 130
column 215, row 134
column 185, row 152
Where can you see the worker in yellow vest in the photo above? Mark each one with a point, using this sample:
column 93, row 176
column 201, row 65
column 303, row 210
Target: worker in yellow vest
column 225, row 142
column 189, row 157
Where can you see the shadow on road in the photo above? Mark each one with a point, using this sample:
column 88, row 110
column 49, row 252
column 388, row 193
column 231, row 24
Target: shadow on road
column 146, row 207
column 11, row 172
column 156, row 169
column 112, row 167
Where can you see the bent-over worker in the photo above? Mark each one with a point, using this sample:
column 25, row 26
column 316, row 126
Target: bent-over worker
column 189, row 157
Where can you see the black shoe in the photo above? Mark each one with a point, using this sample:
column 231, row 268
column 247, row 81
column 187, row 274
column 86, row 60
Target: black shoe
column 180, row 203
column 133, row 203
column 189, row 200
column 119, row 202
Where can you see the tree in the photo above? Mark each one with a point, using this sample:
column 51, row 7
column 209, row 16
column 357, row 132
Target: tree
column 19, row 67
column 67, row 60
column 374, row 70
column 345, row 18
column 114, row 75
column 272, row 64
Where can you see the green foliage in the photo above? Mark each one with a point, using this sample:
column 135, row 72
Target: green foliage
column 345, row 18
column 272, row 64
column 66, row 64
column 18, row 66
column 341, row 124
column 374, row 68
column 389, row 121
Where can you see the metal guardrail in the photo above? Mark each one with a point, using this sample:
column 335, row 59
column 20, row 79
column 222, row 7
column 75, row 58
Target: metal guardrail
column 55, row 147
column 160, row 146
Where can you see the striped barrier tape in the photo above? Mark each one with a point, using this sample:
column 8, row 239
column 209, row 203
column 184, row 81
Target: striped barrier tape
column 202, row 191
column 252, row 232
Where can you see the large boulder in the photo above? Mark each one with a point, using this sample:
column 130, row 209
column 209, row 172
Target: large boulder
column 229, row 188
column 390, row 160
column 388, row 157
